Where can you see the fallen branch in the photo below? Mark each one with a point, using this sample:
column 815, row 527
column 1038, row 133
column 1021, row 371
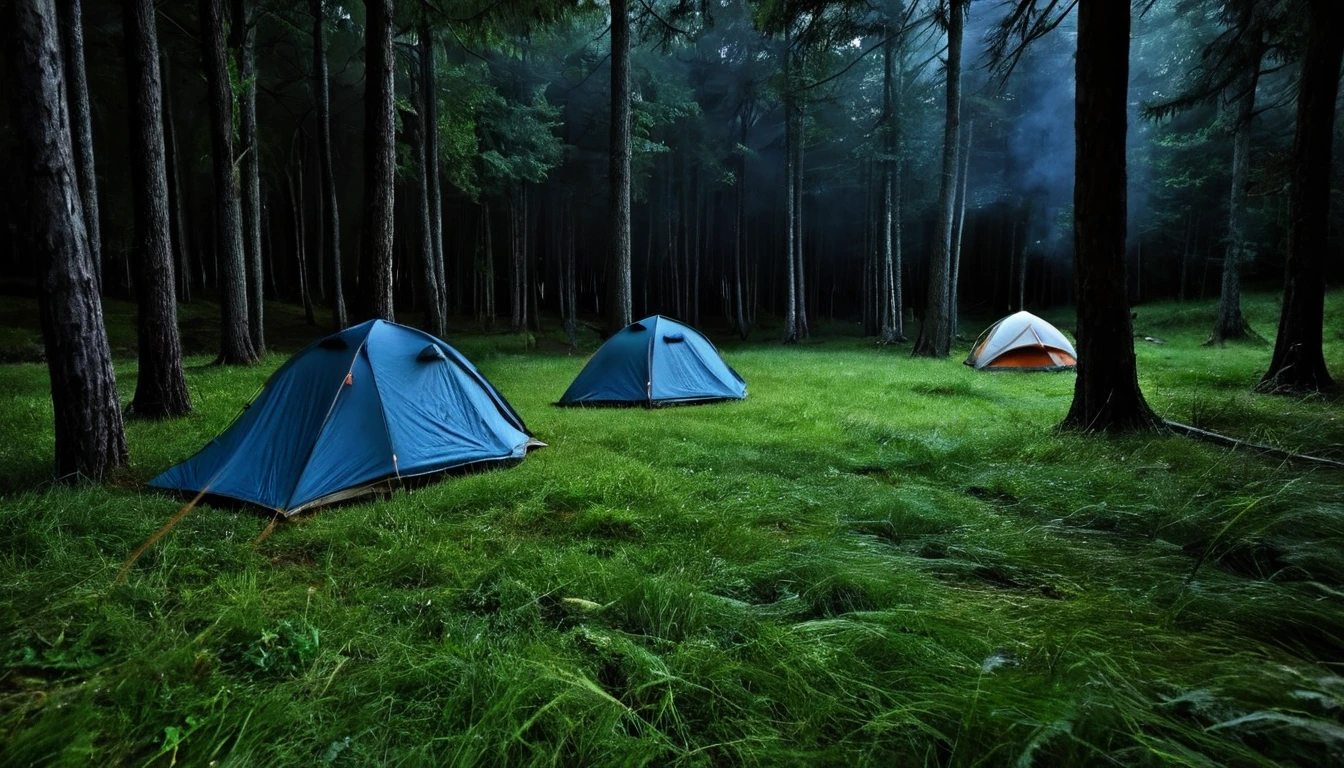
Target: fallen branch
column 1204, row 434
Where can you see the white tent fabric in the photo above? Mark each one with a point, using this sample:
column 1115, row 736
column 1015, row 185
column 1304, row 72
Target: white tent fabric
column 1019, row 331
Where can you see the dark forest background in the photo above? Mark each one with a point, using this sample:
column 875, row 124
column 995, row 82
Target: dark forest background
column 522, row 96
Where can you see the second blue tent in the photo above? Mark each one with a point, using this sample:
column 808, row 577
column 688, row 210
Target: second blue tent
column 655, row 361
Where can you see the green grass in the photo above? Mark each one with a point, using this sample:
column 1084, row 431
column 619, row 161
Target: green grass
column 873, row 560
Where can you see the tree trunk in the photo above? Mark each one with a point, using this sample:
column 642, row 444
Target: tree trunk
column 488, row 273
column 619, row 299
column 935, row 332
column 898, row 202
column 434, row 186
column 571, row 321
column 1021, row 275
column 90, row 438
column 235, row 333
column 888, row 300
column 295, row 183
column 1106, row 395
column 952, row 303
column 1185, row 255
column 799, row 271
column 419, row 144
column 380, row 161
column 176, row 224
column 1298, row 364
column 515, row 268
column 81, row 123
column 242, row 35
column 1230, row 322
column 790, row 136
column 161, row 387
column 743, row 329
column 331, row 218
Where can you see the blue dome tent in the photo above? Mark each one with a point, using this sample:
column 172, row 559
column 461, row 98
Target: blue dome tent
column 373, row 402
column 655, row 361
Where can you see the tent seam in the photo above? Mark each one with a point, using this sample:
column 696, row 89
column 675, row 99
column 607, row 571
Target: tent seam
column 303, row 468
column 387, row 429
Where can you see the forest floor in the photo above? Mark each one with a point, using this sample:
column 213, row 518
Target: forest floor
column 873, row 560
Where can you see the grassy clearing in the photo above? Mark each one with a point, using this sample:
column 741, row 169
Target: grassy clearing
column 873, row 560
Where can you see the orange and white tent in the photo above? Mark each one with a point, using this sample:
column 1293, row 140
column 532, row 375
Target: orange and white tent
column 1022, row 342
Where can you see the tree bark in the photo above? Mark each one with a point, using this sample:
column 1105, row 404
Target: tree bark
column 331, row 218
column 743, row 328
column 935, row 332
column 1230, row 323
column 432, row 180
column 799, row 271
column 81, row 123
column 176, row 224
column 294, row 182
column 241, row 32
column 90, row 437
column 235, row 333
column 888, row 235
column 161, row 387
column 419, row 145
column 619, row 292
column 790, row 136
column 1298, row 364
column 953, row 305
column 380, row 161
column 1106, row 395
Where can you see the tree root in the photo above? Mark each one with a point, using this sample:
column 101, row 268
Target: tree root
column 1204, row 434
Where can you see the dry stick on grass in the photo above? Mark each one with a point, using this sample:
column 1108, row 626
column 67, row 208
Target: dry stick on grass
column 1204, row 434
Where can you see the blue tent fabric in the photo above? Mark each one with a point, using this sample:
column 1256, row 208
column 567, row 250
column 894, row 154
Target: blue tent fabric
column 652, row 362
column 375, row 401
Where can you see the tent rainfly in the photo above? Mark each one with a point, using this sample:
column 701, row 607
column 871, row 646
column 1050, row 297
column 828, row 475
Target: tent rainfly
column 1022, row 342
column 655, row 361
column 374, row 402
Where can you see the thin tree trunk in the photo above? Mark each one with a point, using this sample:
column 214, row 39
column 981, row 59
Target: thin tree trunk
column 176, row 224
column 300, row 252
column 888, row 301
column 1230, row 323
column 1185, row 255
column 380, row 162
column 425, row 246
column 242, row 33
column 161, row 387
column 430, row 105
column 235, row 333
column 696, row 252
column 799, row 272
column 953, row 305
column 1021, row 271
column 571, row 322
column 1106, row 395
column 81, row 123
column 1298, row 364
column 898, row 202
column 790, row 200
column 488, row 274
column 935, row 332
column 740, row 223
column 331, row 218
column 90, row 438
column 619, row 299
